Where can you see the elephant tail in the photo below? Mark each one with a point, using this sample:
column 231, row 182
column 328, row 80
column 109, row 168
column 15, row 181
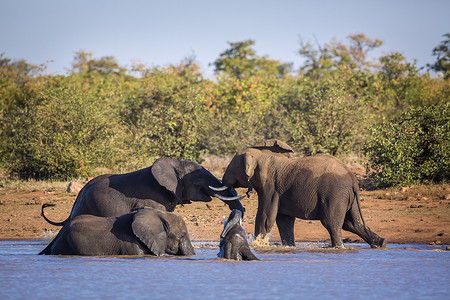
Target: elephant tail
column 357, row 199
column 49, row 221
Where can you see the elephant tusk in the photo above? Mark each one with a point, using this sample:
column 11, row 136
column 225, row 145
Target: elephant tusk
column 223, row 198
column 218, row 189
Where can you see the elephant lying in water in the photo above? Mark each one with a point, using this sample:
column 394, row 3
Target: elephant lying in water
column 317, row 187
column 233, row 243
column 143, row 231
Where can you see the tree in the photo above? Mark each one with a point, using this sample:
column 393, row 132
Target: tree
column 18, row 81
column 442, row 51
column 85, row 64
column 240, row 61
column 321, row 60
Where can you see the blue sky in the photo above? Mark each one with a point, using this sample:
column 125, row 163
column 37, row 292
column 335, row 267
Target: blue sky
column 164, row 32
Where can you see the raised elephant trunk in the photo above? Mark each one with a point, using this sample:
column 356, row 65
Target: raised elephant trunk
column 235, row 218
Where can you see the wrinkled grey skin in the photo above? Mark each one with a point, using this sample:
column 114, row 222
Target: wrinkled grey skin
column 169, row 182
column 317, row 187
column 143, row 231
column 233, row 243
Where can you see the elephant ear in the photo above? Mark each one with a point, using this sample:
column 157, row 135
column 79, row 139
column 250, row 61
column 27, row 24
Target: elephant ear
column 165, row 172
column 151, row 230
column 275, row 146
column 250, row 165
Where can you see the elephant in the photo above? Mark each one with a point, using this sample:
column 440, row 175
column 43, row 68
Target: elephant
column 168, row 181
column 233, row 243
column 141, row 232
column 318, row 187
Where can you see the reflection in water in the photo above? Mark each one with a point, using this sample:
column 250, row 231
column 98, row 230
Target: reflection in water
column 308, row 271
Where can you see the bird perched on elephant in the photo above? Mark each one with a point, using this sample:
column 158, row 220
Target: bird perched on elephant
column 168, row 181
column 318, row 187
column 233, row 242
column 143, row 231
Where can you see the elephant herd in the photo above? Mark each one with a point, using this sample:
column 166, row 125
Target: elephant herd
column 132, row 214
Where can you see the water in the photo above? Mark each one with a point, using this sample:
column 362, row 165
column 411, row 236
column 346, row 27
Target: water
column 308, row 272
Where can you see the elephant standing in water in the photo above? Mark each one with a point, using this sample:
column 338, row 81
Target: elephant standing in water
column 233, row 243
column 143, row 231
column 317, row 187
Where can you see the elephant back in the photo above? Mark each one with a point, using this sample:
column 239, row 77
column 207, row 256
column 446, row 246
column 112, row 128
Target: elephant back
column 274, row 146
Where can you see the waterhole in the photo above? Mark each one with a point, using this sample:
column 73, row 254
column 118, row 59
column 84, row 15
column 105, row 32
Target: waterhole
column 308, row 271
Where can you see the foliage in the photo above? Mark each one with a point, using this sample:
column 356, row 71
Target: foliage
column 442, row 51
column 102, row 115
column 322, row 60
column 18, row 82
column 85, row 64
column 170, row 126
column 413, row 148
column 326, row 117
column 59, row 134
column 240, row 61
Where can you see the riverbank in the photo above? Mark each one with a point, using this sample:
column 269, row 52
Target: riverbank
column 419, row 214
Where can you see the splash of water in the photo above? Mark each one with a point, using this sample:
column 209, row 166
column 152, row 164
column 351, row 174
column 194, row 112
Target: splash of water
column 260, row 241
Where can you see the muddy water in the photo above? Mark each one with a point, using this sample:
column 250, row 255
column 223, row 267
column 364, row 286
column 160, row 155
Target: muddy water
column 307, row 272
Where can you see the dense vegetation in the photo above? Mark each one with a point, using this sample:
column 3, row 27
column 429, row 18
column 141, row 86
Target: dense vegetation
column 103, row 115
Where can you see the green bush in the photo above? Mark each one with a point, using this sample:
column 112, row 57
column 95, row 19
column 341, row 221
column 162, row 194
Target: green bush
column 102, row 116
column 167, row 116
column 170, row 129
column 413, row 148
column 62, row 133
column 326, row 117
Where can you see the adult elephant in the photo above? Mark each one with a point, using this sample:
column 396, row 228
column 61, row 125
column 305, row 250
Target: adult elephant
column 144, row 231
column 233, row 242
column 317, row 187
column 169, row 182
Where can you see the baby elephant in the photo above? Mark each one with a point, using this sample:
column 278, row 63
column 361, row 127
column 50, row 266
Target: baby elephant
column 233, row 244
column 143, row 231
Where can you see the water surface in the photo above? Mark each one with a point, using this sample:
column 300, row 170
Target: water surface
column 306, row 272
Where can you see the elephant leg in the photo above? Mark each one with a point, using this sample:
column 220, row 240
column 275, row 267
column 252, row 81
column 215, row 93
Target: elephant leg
column 335, row 235
column 285, row 226
column 332, row 218
column 247, row 254
column 353, row 224
column 266, row 214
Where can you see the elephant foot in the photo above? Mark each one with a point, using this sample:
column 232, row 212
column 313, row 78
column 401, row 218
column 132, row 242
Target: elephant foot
column 339, row 247
column 380, row 244
column 288, row 242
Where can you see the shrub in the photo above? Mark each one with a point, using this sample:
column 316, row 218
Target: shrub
column 167, row 117
column 413, row 148
column 60, row 134
column 325, row 116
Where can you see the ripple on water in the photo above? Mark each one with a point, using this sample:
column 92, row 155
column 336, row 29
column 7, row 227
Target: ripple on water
column 309, row 270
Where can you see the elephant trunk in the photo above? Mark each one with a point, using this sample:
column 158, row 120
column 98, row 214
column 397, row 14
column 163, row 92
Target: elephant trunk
column 185, row 248
column 235, row 218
